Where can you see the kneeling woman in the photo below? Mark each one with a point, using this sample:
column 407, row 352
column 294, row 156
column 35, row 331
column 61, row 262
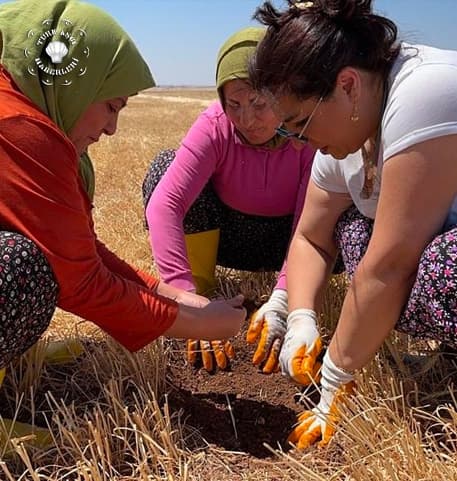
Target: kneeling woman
column 382, row 187
column 231, row 194
column 49, row 253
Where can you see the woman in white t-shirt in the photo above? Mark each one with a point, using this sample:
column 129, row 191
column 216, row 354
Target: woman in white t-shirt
column 375, row 109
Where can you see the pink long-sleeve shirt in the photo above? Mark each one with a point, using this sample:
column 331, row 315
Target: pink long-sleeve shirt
column 253, row 180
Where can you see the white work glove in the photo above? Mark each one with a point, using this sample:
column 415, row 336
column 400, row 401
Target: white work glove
column 268, row 326
column 302, row 345
column 320, row 422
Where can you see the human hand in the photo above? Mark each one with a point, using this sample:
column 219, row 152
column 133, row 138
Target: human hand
column 191, row 299
column 223, row 318
column 302, row 345
column 320, row 422
column 268, row 326
column 219, row 352
column 219, row 319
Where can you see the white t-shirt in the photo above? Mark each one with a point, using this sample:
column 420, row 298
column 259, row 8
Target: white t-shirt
column 421, row 105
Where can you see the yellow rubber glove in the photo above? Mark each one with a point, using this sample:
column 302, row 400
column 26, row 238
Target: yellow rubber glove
column 319, row 424
column 268, row 326
column 301, row 348
column 212, row 353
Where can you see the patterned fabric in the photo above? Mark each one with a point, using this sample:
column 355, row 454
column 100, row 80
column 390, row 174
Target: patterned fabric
column 352, row 234
column 431, row 310
column 247, row 242
column 28, row 295
column 204, row 214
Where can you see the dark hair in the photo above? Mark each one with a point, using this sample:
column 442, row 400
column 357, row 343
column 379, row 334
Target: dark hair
column 307, row 45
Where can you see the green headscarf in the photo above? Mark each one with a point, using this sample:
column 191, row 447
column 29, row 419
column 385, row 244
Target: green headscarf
column 232, row 64
column 233, row 56
column 98, row 60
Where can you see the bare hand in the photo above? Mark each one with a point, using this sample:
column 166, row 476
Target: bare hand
column 191, row 299
column 224, row 317
column 219, row 319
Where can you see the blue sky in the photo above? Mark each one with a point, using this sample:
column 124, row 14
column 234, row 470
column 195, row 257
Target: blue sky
column 180, row 38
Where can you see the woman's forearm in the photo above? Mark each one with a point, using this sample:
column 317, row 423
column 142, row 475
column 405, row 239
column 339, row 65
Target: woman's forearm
column 308, row 269
column 181, row 296
column 167, row 290
column 190, row 323
column 370, row 311
column 312, row 251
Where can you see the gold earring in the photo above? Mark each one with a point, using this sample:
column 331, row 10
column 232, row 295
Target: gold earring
column 355, row 113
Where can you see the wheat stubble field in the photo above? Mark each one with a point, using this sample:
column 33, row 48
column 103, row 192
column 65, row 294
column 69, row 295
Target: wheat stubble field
column 124, row 417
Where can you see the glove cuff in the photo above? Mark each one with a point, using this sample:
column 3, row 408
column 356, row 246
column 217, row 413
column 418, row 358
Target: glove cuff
column 333, row 377
column 302, row 317
column 278, row 302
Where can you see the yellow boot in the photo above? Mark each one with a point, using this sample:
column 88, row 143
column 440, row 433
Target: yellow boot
column 202, row 254
column 22, row 432
column 61, row 352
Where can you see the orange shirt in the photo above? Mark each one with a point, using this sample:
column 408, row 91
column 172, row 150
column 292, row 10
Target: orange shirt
column 42, row 197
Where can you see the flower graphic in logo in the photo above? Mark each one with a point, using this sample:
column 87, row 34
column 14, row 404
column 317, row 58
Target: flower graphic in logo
column 64, row 56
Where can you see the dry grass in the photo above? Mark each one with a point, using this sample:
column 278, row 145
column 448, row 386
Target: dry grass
column 108, row 411
column 203, row 93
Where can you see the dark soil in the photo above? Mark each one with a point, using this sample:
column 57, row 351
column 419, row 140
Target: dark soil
column 263, row 406
column 239, row 409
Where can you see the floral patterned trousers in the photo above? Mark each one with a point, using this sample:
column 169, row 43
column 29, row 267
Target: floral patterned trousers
column 28, row 295
column 431, row 310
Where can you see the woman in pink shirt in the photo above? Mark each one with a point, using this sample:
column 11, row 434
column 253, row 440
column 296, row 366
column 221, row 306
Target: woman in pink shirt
column 230, row 195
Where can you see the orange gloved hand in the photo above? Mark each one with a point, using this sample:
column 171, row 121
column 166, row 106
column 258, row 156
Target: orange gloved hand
column 268, row 326
column 302, row 345
column 319, row 424
column 211, row 353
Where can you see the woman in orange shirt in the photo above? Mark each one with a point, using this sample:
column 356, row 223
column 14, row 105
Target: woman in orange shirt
column 66, row 71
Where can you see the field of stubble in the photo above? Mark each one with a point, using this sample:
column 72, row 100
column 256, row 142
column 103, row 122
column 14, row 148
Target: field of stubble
column 108, row 409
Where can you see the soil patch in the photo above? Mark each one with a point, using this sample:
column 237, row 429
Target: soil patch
column 237, row 410
column 263, row 407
